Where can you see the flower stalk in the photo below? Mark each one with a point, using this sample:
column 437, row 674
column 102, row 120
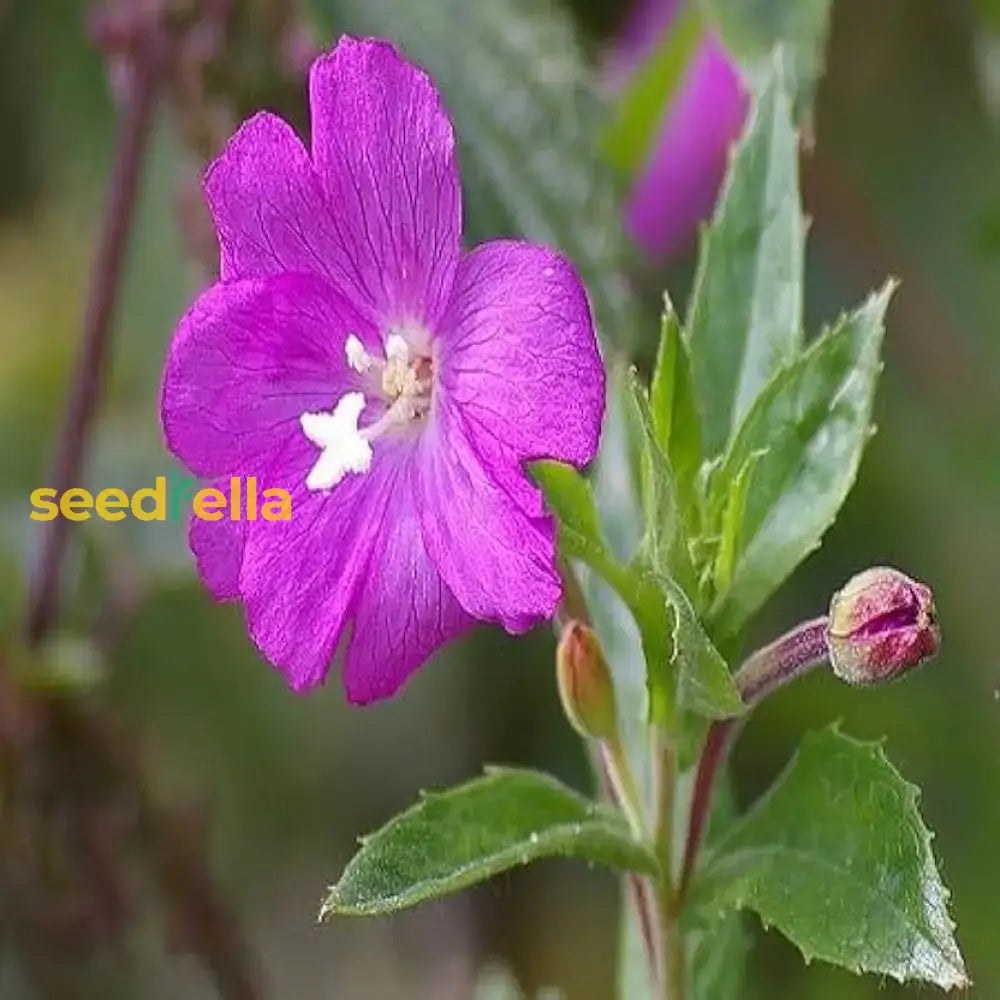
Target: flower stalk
column 794, row 654
column 672, row 957
column 146, row 69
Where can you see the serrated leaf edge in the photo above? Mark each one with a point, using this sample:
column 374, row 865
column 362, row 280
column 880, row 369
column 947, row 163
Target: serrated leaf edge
column 600, row 819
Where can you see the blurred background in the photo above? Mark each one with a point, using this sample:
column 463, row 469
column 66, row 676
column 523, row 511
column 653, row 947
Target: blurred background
column 902, row 180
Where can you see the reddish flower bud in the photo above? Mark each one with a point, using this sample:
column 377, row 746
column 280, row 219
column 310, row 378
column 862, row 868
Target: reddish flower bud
column 882, row 624
column 585, row 686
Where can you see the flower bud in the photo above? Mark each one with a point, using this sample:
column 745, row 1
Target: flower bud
column 882, row 624
column 585, row 686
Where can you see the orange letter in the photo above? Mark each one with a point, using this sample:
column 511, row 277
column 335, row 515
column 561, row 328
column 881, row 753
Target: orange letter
column 281, row 499
column 109, row 500
column 252, row 498
column 208, row 504
column 235, row 498
column 75, row 504
column 44, row 502
column 159, row 495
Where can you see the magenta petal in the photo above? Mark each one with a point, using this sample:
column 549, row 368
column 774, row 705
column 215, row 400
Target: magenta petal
column 469, row 370
column 218, row 551
column 677, row 188
column 497, row 560
column 384, row 148
column 300, row 578
column 519, row 356
column 247, row 360
column 404, row 612
column 269, row 207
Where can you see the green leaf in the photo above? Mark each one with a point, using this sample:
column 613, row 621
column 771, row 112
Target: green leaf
column 732, row 523
column 718, row 959
column 837, row 857
column 751, row 29
column 613, row 476
column 518, row 88
column 639, row 111
column 809, row 427
column 744, row 321
column 570, row 498
column 678, row 654
column 453, row 839
column 616, row 474
column 675, row 415
column 663, row 548
column 704, row 684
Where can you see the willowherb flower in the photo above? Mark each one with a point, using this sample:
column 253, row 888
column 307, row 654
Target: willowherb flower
column 395, row 385
column 676, row 187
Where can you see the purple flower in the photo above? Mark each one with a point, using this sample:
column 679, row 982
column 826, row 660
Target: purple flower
column 677, row 186
column 396, row 386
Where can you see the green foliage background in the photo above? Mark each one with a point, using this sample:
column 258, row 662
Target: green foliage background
column 903, row 181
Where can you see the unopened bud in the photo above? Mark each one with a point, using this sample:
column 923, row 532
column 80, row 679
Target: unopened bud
column 882, row 624
column 585, row 686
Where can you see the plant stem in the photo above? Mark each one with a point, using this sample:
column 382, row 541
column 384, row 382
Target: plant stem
column 626, row 790
column 787, row 658
column 672, row 958
column 665, row 783
column 675, row 954
column 639, row 889
column 794, row 654
column 85, row 390
column 617, row 781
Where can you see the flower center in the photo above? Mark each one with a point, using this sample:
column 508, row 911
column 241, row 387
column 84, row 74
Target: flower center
column 404, row 380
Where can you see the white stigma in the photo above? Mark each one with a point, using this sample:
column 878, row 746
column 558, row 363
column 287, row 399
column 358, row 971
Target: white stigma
column 357, row 357
column 344, row 448
column 396, row 348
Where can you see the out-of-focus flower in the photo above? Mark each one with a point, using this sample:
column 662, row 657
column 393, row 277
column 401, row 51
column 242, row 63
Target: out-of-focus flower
column 676, row 187
column 882, row 624
column 395, row 386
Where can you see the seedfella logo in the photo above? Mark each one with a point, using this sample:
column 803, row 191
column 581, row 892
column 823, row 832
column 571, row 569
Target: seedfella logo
column 168, row 499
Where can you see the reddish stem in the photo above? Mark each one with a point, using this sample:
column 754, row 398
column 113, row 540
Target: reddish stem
column 85, row 391
column 770, row 668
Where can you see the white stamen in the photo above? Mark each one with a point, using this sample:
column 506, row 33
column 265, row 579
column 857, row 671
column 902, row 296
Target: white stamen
column 344, row 447
column 396, row 348
column 357, row 357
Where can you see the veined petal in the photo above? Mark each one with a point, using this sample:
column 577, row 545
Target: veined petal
column 247, row 360
column 498, row 561
column 519, row 356
column 218, row 550
column 677, row 187
column 383, row 147
column 271, row 213
column 300, row 579
column 404, row 611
